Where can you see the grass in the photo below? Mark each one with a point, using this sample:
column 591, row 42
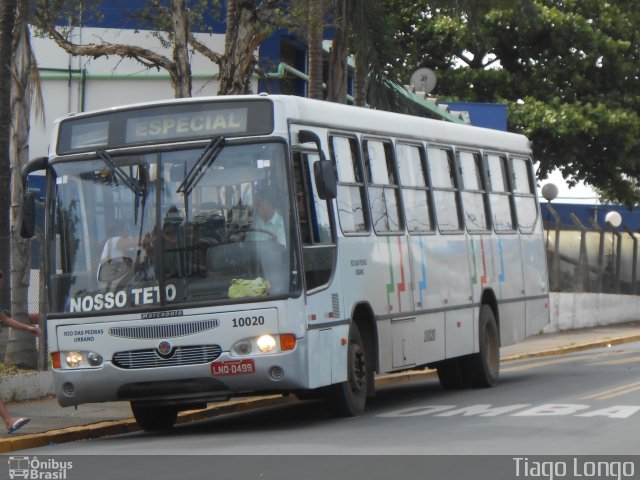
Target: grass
column 9, row 370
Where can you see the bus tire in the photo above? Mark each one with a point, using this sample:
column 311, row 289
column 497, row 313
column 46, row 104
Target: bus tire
column 154, row 419
column 348, row 399
column 450, row 374
column 482, row 369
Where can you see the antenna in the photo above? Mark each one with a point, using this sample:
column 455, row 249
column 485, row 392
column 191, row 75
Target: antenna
column 423, row 81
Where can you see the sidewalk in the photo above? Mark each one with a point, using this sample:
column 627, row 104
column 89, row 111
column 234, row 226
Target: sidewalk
column 51, row 423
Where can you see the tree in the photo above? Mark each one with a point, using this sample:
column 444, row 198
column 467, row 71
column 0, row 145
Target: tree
column 174, row 17
column 569, row 71
column 21, row 347
column 7, row 21
column 249, row 23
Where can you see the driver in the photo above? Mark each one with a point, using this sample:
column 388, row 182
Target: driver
column 267, row 220
column 119, row 245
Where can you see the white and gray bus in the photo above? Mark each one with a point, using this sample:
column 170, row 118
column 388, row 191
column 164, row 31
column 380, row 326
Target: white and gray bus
column 199, row 249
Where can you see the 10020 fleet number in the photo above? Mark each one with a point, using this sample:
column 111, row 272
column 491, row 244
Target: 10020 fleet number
column 248, row 321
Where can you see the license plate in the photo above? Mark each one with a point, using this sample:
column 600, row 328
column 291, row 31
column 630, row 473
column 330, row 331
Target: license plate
column 233, row 367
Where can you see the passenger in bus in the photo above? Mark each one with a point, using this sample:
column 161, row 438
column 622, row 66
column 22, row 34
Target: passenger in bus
column 12, row 423
column 267, row 222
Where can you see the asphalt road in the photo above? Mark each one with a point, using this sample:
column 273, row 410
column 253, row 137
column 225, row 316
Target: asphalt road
column 585, row 403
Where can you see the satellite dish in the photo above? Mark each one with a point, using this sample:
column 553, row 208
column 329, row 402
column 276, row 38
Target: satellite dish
column 423, row 80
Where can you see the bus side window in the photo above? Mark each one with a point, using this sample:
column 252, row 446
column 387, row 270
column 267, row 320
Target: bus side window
column 351, row 197
column 318, row 245
column 523, row 193
column 473, row 191
column 443, row 182
column 415, row 192
column 499, row 196
column 382, row 186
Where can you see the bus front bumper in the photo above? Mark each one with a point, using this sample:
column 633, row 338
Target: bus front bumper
column 182, row 385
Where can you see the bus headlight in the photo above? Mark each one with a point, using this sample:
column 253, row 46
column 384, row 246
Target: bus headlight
column 243, row 347
column 75, row 360
column 266, row 344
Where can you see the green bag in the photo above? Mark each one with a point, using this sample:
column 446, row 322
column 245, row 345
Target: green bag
column 240, row 288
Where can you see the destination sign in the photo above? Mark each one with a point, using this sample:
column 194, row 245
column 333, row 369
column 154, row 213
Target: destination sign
column 171, row 126
column 171, row 122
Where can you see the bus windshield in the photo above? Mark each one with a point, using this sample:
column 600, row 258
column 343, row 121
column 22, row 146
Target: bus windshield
column 129, row 234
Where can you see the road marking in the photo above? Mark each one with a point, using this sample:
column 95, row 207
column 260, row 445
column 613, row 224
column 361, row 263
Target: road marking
column 573, row 358
column 526, row 410
column 618, row 361
column 613, row 392
column 543, row 363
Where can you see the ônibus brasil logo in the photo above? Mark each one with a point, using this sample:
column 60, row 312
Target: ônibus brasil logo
column 35, row 469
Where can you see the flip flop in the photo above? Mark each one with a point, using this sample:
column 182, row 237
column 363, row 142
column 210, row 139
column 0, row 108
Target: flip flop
column 21, row 422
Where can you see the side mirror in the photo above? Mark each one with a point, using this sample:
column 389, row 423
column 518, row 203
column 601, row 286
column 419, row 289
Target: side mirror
column 326, row 179
column 28, row 228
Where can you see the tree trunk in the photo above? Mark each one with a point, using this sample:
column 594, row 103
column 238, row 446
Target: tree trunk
column 182, row 79
column 238, row 62
column 314, row 86
column 7, row 21
column 360, row 83
column 337, row 83
column 21, row 349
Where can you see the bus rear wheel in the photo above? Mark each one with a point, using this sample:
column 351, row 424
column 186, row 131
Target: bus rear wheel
column 348, row 399
column 154, row 419
column 482, row 369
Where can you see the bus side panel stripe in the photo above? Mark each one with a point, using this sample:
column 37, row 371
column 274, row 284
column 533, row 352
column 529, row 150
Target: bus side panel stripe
column 402, row 287
column 423, row 267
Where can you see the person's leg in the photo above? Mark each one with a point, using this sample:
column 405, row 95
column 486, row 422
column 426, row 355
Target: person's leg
column 8, row 419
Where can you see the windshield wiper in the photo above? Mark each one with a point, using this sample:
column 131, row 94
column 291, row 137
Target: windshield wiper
column 209, row 154
column 135, row 187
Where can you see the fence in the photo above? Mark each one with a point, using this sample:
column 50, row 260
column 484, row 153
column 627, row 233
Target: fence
column 587, row 256
column 34, row 305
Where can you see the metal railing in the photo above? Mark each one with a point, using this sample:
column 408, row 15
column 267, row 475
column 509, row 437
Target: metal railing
column 590, row 258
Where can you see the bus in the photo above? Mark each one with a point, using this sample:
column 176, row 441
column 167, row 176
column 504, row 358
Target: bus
column 205, row 248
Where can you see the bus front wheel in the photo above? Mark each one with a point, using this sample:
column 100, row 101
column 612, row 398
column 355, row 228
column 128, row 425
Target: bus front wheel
column 153, row 419
column 348, row 399
column 482, row 369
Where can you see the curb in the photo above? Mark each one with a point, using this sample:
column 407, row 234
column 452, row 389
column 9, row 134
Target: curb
column 572, row 348
column 117, row 427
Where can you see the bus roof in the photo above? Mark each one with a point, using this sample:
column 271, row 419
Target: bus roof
column 345, row 117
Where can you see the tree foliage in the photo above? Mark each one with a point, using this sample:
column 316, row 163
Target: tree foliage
column 568, row 69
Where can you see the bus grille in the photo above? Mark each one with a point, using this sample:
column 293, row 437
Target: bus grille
column 149, row 358
column 164, row 331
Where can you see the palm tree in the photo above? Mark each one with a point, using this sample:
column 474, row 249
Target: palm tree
column 370, row 37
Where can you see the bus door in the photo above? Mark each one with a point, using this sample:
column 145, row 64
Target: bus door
column 325, row 315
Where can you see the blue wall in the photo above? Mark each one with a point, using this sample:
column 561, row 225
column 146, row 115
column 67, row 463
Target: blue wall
column 585, row 213
column 487, row 115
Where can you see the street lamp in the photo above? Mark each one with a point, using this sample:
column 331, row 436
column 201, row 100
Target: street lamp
column 614, row 220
